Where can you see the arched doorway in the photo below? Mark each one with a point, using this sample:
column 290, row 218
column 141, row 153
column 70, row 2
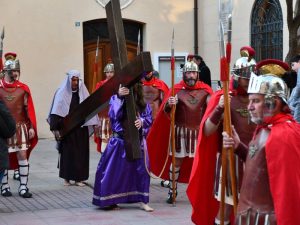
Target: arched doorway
column 98, row 28
column 267, row 29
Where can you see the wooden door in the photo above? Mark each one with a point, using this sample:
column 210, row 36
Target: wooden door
column 104, row 55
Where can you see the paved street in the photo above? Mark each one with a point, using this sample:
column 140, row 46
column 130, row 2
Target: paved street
column 55, row 204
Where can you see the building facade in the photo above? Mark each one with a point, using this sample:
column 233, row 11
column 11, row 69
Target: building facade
column 53, row 36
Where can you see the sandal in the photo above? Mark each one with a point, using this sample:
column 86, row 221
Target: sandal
column 25, row 193
column 80, row 184
column 5, row 192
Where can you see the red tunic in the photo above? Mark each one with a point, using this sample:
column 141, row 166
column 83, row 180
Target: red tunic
column 158, row 138
column 13, row 161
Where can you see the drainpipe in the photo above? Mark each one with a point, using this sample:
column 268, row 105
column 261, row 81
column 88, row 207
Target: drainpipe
column 196, row 27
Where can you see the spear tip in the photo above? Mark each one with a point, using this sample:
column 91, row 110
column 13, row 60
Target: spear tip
column 2, row 33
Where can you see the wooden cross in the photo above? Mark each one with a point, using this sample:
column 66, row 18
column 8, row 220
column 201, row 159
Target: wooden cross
column 126, row 74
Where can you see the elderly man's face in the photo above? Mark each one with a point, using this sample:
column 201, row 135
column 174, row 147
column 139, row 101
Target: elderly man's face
column 256, row 107
column 74, row 83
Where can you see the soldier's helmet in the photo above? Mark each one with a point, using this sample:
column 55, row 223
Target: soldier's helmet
column 244, row 66
column 190, row 66
column 11, row 65
column 109, row 68
column 272, row 66
column 269, row 85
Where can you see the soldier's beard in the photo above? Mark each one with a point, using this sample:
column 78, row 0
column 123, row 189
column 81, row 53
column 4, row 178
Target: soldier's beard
column 190, row 82
column 11, row 77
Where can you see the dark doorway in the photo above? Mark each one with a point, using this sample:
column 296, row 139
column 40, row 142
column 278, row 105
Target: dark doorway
column 98, row 28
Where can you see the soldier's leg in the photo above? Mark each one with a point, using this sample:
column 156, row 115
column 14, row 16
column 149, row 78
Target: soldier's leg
column 178, row 162
column 24, row 172
column 5, row 189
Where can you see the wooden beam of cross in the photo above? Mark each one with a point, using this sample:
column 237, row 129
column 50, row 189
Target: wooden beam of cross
column 119, row 55
column 99, row 99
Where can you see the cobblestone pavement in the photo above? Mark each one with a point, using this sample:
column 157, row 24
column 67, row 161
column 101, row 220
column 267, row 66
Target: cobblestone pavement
column 53, row 203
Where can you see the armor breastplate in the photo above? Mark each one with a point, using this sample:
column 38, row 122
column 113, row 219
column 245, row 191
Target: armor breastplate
column 256, row 203
column 240, row 118
column 152, row 96
column 14, row 100
column 190, row 108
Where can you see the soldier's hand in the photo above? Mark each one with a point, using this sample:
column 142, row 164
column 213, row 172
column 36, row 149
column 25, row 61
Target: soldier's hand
column 231, row 142
column 173, row 100
column 123, row 91
column 31, row 133
column 138, row 123
column 221, row 101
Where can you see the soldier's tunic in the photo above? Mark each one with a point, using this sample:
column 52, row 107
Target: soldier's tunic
column 188, row 115
column 189, row 111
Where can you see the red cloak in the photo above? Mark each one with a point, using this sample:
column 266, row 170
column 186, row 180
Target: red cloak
column 283, row 157
column 158, row 138
column 201, row 184
column 13, row 161
column 157, row 83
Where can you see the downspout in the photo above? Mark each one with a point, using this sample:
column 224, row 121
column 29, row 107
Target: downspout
column 196, row 27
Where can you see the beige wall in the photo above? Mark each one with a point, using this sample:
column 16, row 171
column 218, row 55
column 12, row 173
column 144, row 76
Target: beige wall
column 48, row 44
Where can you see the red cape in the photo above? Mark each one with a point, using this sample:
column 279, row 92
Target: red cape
column 158, row 139
column 157, row 83
column 13, row 161
column 201, row 185
column 283, row 157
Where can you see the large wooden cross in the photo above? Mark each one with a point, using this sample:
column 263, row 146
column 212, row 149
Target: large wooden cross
column 126, row 74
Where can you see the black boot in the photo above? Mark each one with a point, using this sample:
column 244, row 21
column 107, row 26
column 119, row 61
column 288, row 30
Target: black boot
column 5, row 189
column 25, row 193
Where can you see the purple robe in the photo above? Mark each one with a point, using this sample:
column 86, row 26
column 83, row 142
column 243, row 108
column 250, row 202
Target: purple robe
column 117, row 179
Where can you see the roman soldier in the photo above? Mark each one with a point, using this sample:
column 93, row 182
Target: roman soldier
column 210, row 146
column 17, row 97
column 191, row 100
column 154, row 91
column 271, row 183
column 104, row 131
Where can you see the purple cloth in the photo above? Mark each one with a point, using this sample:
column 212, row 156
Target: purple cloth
column 117, row 179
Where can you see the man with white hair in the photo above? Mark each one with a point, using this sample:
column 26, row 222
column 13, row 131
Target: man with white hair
column 74, row 147
column 271, row 182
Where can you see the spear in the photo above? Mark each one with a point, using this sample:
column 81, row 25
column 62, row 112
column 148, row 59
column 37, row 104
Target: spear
column 138, row 49
column 173, row 121
column 224, row 68
column 1, row 49
column 96, row 65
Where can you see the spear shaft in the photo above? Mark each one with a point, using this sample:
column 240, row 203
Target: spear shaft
column 173, row 121
column 96, row 65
